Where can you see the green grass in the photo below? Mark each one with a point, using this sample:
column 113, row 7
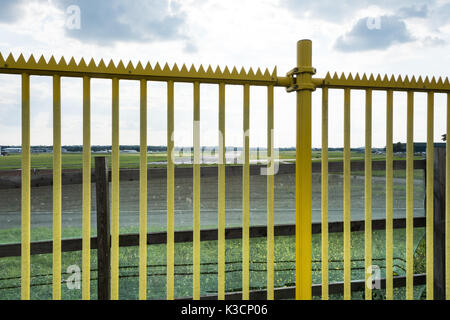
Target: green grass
column 284, row 265
column 131, row 160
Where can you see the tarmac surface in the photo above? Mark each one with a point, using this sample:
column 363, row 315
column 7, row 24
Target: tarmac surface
column 41, row 202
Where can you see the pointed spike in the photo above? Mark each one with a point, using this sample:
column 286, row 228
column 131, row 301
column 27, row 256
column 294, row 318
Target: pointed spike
column 209, row 70
column 378, row 79
column 266, row 73
column 148, row 67
column 52, row 61
column 226, row 72
column 111, row 66
column 82, row 63
column 61, row 63
column 130, row 66
column 175, row 68
column 385, row 79
column 440, row 82
column 371, row 78
column 399, row 79
column 101, row 65
column 157, row 67
column 234, row 72
column 364, row 78
column 427, row 81
column 42, row 61
column 250, row 72
column 92, row 64
column 121, row 67
column 342, row 76
column 357, row 78
column 218, row 71
column 10, row 60
column 72, row 62
column 201, row 70
column 2, row 61
column 166, row 68
column 139, row 67
column 433, row 81
column 192, row 69
column 350, row 77
column 413, row 80
column 242, row 72
column 328, row 76
column 184, row 69
column 21, row 60
column 335, row 76
column 446, row 83
column 258, row 72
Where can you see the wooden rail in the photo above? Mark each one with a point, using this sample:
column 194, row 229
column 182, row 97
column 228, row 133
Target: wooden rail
column 131, row 240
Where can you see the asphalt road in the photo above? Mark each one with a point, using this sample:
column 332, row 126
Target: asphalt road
column 41, row 202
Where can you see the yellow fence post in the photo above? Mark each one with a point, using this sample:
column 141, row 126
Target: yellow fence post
column 221, row 197
column 246, row 197
column 303, row 174
column 86, row 223
column 325, row 273
column 389, row 196
column 143, row 193
column 115, row 192
column 26, row 207
column 270, row 195
column 196, row 195
column 56, row 188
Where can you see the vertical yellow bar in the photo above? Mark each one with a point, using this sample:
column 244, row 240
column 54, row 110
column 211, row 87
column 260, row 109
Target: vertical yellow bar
column 170, row 191
column 115, row 192
column 246, row 199
column 303, row 177
column 389, row 197
column 325, row 275
column 25, row 246
column 56, row 187
column 270, row 195
column 196, row 188
column 409, row 195
column 430, row 195
column 143, row 194
column 221, row 197
column 447, row 203
column 347, row 200
column 368, row 195
column 86, row 223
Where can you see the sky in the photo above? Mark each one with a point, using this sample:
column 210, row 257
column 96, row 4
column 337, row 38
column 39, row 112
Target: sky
column 402, row 37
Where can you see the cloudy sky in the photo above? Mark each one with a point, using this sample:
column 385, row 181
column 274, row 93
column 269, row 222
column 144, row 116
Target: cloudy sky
column 406, row 37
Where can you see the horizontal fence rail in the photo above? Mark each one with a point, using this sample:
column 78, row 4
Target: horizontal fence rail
column 132, row 240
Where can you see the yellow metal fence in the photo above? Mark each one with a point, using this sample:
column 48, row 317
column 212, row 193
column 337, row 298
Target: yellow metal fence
column 300, row 80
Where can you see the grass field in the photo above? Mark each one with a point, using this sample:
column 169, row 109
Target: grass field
column 284, row 266
column 131, row 160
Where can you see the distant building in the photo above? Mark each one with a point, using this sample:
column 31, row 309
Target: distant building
column 7, row 151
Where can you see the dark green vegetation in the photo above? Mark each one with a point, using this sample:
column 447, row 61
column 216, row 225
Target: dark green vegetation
column 41, row 265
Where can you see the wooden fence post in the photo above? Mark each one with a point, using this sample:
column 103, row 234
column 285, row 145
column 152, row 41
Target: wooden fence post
column 439, row 223
column 103, row 229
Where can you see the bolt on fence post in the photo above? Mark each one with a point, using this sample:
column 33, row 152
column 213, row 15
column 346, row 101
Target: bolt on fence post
column 103, row 229
column 303, row 171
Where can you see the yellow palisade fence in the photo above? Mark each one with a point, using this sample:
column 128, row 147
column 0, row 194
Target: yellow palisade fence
column 300, row 80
